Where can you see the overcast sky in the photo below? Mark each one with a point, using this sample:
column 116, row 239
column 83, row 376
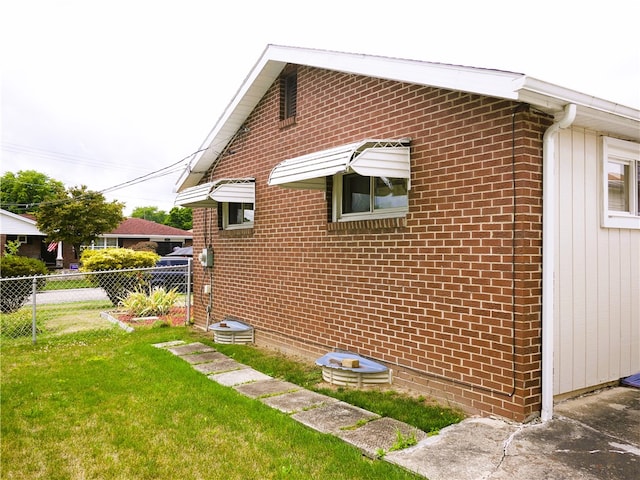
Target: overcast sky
column 103, row 92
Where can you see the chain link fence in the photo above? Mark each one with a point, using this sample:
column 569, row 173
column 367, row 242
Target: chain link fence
column 53, row 305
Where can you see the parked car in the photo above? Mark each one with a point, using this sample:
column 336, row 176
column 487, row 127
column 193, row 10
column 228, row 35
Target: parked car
column 169, row 277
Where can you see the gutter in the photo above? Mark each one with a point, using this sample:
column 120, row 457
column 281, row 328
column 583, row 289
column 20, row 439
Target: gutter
column 549, row 254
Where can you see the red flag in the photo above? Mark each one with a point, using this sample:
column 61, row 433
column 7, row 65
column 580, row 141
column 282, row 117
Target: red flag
column 52, row 246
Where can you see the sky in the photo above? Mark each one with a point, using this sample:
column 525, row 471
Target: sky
column 116, row 95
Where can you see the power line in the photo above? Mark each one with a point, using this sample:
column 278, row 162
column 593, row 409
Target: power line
column 68, row 158
column 164, row 171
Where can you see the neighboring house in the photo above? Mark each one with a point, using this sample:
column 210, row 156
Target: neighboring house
column 136, row 230
column 478, row 231
column 33, row 242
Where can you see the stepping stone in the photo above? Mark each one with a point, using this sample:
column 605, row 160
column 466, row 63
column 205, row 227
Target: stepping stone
column 204, row 357
column 172, row 343
column 380, row 434
column 218, row 367
column 237, row 377
column 334, row 418
column 191, row 348
column 266, row 388
column 297, row 401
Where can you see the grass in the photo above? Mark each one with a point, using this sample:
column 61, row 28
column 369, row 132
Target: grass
column 113, row 406
column 420, row 412
column 66, row 284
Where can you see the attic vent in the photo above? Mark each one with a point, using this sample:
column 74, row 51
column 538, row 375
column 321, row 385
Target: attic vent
column 288, row 93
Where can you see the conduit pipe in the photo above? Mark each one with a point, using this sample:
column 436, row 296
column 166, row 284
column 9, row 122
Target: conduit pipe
column 549, row 254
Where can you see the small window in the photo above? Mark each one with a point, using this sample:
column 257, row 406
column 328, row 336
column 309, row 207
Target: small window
column 359, row 197
column 621, row 183
column 288, row 94
column 237, row 215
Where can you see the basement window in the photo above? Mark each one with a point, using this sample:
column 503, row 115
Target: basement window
column 621, row 183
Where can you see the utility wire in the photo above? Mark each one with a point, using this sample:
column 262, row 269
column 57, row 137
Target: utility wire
column 168, row 170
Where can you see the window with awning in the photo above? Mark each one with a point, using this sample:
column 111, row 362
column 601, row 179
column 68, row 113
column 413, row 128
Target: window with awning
column 370, row 158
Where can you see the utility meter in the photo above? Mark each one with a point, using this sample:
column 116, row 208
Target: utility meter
column 206, row 257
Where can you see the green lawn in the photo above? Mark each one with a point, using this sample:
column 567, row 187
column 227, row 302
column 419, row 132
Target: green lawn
column 111, row 406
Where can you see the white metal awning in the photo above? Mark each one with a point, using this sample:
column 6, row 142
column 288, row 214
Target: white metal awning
column 207, row 195
column 235, row 191
column 376, row 158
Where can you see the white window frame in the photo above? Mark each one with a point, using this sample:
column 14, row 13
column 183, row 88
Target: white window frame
column 102, row 243
column 339, row 216
column 235, row 226
column 628, row 154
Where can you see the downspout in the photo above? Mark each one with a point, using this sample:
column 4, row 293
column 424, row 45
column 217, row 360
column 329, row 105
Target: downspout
column 549, row 254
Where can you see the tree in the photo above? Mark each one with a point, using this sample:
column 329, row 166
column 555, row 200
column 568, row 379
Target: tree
column 25, row 191
column 78, row 216
column 180, row 218
column 150, row 213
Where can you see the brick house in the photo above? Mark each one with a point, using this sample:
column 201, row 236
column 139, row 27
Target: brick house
column 22, row 228
column 135, row 230
column 394, row 208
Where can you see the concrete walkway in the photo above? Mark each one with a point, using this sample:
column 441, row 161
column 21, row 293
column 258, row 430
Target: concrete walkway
column 593, row 437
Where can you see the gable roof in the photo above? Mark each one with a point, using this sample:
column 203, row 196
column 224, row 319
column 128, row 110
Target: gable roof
column 14, row 224
column 139, row 227
column 593, row 113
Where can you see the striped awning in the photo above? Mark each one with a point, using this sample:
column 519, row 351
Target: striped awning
column 207, row 195
column 375, row 158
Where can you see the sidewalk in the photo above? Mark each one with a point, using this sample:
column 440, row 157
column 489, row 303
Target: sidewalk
column 593, row 437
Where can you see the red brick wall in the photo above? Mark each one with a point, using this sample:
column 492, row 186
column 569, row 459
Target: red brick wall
column 430, row 294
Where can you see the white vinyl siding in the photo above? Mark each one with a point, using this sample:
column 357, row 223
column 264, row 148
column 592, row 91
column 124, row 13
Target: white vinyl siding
column 597, row 283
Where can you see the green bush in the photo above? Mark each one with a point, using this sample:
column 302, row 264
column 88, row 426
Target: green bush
column 158, row 301
column 18, row 324
column 118, row 284
column 13, row 293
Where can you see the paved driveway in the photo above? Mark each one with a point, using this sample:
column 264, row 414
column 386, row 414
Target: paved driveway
column 70, row 295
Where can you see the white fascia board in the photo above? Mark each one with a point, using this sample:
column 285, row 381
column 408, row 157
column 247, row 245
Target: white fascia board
column 592, row 112
column 254, row 87
column 453, row 77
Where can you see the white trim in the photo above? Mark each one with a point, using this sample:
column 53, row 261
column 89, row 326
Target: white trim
column 235, row 192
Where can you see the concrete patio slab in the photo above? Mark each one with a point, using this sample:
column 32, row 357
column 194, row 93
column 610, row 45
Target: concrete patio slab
column 298, row 401
column 470, row 450
column 266, row 388
column 382, row 434
column 219, row 366
column 334, row 417
column 190, row 348
column 204, row 357
column 237, row 377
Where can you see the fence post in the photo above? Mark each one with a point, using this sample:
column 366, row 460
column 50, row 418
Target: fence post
column 189, row 267
column 34, row 328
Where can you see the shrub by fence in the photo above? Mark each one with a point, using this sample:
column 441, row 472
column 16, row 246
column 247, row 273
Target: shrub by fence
column 48, row 305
